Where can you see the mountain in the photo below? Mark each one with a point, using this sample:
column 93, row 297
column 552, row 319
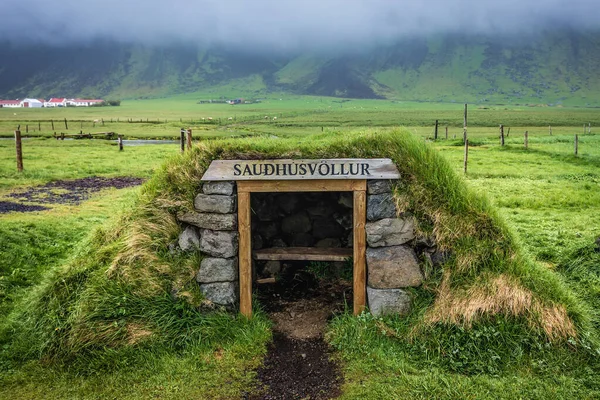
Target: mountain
column 550, row 67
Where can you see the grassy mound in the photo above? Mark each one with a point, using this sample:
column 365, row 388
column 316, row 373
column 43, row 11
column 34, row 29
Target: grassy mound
column 123, row 290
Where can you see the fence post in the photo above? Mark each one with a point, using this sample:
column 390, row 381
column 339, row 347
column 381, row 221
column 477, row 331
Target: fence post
column 26, row 128
column 52, row 122
column 465, row 126
column 182, row 140
column 189, row 139
column 435, row 133
column 19, row 151
column 589, row 128
column 576, row 144
column 66, row 126
column 446, row 132
column 466, row 155
column 39, row 126
column 550, row 129
column 501, row 135
column 526, row 140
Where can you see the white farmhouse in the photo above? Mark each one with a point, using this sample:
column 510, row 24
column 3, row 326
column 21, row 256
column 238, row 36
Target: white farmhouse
column 56, row 102
column 10, row 103
column 83, row 102
column 31, row 103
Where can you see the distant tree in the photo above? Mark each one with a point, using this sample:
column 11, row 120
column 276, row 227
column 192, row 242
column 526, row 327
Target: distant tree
column 113, row 103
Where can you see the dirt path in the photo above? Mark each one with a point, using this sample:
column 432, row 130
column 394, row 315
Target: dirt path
column 299, row 363
column 63, row 192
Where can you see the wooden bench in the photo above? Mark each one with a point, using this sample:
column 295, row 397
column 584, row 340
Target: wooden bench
column 303, row 254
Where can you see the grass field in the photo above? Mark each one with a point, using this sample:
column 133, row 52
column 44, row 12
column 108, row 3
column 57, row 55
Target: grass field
column 547, row 195
column 162, row 118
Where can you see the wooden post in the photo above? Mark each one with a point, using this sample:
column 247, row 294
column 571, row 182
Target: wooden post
column 245, row 254
column 466, row 155
column 446, row 132
column 589, row 128
column 182, row 140
column 19, row 151
column 359, row 251
column 66, row 126
column 26, row 128
column 576, row 144
column 52, row 122
column 501, row 135
column 465, row 125
column 435, row 133
column 120, row 142
column 39, row 126
column 189, row 139
column 62, row 136
column 508, row 133
column 526, row 140
column 550, row 129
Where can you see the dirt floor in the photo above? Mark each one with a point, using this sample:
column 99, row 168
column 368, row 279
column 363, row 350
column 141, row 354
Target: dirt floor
column 63, row 192
column 300, row 364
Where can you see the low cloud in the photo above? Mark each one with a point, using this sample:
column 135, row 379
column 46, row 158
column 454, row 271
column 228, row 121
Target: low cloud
column 281, row 24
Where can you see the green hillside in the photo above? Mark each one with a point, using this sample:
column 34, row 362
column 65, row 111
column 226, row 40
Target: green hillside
column 555, row 67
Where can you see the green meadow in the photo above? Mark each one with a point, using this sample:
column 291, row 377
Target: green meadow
column 548, row 197
column 288, row 115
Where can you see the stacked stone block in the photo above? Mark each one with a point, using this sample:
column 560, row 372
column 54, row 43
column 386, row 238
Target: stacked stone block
column 215, row 222
column 392, row 264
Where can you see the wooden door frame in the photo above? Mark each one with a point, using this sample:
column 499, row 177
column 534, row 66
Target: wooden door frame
column 357, row 186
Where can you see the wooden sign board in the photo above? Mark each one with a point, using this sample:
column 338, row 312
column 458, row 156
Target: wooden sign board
column 336, row 168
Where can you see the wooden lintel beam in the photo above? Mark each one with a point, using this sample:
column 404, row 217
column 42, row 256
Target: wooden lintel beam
column 312, row 185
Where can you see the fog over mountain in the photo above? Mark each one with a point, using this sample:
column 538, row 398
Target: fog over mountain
column 509, row 51
column 282, row 25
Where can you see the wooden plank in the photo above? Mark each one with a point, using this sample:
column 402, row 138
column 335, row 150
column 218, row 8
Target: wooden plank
column 316, row 185
column 287, row 169
column 360, row 251
column 265, row 281
column 245, row 254
column 303, row 254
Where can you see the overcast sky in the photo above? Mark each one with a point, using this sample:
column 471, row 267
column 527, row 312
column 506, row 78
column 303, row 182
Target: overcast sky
column 281, row 24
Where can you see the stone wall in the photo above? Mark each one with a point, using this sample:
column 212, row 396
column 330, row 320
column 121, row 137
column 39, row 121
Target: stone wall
column 213, row 230
column 392, row 264
column 309, row 219
column 321, row 219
